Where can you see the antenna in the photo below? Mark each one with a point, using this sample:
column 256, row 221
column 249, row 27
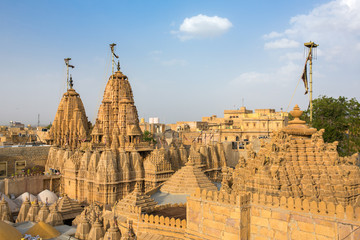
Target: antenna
column 67, row 60
column 311, row 45
column 38, row 120
column 112, row 47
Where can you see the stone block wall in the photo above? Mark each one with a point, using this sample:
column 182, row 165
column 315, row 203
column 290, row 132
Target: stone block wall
column 32, row 184
column 288, row 218
column 32, row 155
column 214, row 215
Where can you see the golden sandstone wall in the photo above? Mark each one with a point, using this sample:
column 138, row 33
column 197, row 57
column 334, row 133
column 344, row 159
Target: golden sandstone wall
column 31, row 155
column 213, row 215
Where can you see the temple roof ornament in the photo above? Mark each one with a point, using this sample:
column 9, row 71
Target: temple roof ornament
column 298, row 127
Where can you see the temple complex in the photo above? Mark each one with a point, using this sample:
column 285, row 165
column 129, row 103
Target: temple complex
column 106, row 167
column 292, row 186
column 278, row 192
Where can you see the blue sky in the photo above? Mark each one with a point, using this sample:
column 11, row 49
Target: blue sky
column 184, row 59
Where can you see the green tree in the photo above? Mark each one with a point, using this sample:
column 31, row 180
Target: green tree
column 148, row 137
column 341, row 120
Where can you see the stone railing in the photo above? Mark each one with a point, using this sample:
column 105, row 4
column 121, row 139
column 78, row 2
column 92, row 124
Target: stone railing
column 161, row 221
column 22, row 176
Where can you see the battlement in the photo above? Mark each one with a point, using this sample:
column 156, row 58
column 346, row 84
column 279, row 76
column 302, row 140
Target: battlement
column 161, row 221
column 301, row 205
column 304, row 205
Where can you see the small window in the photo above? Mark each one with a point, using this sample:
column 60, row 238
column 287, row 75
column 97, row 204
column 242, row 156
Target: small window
column 234, row 145
column 20, row 167
column 247, row 124
column 263, row 124
column 225, row 138
column 114, row 189
column 3, row 169
column 254, row 124
column 237, row 138
column 69, row 183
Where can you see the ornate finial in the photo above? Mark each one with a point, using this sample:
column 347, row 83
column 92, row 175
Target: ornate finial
column 118, row 66
column 71, row 83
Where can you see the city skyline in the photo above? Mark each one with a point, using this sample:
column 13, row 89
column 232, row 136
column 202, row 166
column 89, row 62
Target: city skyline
column 184, row 60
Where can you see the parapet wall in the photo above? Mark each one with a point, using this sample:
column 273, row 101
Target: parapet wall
column 158, row 225
column 33, row 184
column 214, row 215
column 288, row 218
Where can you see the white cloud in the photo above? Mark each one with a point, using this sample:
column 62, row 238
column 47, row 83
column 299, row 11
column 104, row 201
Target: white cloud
column 281, row 43
column 292, row 56
column 202, row 26
column 286, row 73
column 334, row 25
column 272, row 35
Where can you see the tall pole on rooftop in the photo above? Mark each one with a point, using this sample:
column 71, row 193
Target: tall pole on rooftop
column 67, row 62
column 311, row 46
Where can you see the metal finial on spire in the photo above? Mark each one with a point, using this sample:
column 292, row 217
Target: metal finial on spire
column 71, row 83
column 112, row 47
column 118, row 66
column 67, row 63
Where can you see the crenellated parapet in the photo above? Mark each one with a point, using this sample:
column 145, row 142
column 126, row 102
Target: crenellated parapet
column 163, row 221
column 214, row 215
column 322, row 208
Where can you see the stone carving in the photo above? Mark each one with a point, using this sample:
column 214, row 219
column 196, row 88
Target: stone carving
column 107, row 169
column 297, row 163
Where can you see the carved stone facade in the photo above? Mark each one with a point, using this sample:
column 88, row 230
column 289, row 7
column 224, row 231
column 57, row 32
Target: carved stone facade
column 297, row 163
column 70, row 127
column 106, row 168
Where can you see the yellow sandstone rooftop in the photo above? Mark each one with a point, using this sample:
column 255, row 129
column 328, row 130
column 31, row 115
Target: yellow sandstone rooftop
column 187, row 180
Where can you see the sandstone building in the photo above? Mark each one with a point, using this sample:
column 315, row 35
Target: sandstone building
column 104, row 165
column 280, row 192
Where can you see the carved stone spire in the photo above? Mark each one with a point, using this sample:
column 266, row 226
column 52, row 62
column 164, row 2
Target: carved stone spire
column 70, row 126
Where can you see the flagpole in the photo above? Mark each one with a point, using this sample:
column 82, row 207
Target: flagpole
column 311, row 45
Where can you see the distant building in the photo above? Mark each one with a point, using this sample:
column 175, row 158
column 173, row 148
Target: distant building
column 244, row 124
